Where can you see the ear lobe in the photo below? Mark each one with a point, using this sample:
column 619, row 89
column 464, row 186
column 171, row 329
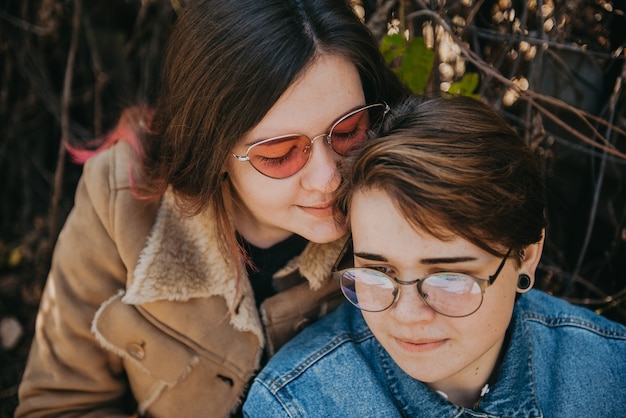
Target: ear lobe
column 524, row 283
column 528, row 265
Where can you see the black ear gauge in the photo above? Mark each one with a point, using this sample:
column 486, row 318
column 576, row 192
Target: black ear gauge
column 524, row 282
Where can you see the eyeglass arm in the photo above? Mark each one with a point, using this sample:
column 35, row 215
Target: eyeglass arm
column 500, row 267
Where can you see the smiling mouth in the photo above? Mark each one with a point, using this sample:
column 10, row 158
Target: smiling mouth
column 318, row 211
column 420, row 346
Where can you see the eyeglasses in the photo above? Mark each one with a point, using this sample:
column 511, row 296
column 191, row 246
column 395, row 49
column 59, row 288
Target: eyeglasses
column 283, row 156
column 450, row 294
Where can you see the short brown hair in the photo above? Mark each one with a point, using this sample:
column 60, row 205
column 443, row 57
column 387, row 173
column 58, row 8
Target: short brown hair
column 453, row 166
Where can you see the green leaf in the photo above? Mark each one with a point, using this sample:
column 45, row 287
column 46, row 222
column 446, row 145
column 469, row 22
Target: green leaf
column 417, row 65
column 392, row 46
column 466, row 86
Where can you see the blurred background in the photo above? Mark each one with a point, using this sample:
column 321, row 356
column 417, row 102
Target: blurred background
column 555, row 69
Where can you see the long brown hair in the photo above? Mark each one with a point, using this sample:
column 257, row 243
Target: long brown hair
column 226, row 65
column 452, row 165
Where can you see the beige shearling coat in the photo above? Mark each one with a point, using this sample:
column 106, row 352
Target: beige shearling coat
column 136, row 304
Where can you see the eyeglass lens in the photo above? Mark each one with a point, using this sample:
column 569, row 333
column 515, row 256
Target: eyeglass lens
column 449, row 294
column 284, row 156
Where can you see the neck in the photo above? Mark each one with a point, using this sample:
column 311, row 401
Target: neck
column 260, row 237
column 468, row 389
column 464, row 397
column 252, row 229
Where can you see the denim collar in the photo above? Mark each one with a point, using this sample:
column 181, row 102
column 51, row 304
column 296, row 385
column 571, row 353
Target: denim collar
column 511, row 395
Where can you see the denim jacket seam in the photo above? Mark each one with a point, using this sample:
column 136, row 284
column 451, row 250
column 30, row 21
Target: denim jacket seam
column 575, row 322
column 531, row 360
column 474, row 413
column 274, row 385
column 391, row 380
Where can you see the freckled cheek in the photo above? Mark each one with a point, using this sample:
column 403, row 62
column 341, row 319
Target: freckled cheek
column 497, row 320
column 377, row 324
column 498, row 304
column 493, row 327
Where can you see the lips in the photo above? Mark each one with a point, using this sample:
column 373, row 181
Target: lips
column 323, row 210
column 420, row 346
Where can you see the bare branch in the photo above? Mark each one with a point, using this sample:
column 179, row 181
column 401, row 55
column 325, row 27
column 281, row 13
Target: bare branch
column 529, row 95
column 65, row 123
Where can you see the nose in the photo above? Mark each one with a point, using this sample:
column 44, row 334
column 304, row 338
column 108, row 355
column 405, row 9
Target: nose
column 320, row 172
column 410, row 307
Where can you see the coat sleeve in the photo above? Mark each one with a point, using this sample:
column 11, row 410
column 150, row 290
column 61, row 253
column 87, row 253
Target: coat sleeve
column 68, row 373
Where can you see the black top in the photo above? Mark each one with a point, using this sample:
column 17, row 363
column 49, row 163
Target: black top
column 267, row 261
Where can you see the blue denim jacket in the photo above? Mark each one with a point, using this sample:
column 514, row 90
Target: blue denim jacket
column 561, row 361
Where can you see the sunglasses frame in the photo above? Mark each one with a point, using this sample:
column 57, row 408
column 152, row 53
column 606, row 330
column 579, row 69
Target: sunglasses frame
column 328, row 136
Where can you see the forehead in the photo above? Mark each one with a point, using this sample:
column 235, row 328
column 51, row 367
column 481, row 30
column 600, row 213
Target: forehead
column 379, row 227
column 329, row 88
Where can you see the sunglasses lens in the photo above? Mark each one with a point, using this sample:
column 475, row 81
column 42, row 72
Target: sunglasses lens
column 284, row 156
column 350, row 132
column 353, row 129
column 280, row 157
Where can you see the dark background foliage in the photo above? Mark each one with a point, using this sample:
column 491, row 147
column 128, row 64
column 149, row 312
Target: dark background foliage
column 554, row 68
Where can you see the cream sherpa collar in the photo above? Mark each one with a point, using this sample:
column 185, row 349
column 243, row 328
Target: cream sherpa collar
column 181, row 260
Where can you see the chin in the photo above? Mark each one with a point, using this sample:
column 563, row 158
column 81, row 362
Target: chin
column 323, row 234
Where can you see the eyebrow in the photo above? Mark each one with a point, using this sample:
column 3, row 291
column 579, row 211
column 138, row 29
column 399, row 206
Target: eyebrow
column 428, row 261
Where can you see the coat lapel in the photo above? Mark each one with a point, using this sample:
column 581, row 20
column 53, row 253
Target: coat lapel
column 181, row 260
